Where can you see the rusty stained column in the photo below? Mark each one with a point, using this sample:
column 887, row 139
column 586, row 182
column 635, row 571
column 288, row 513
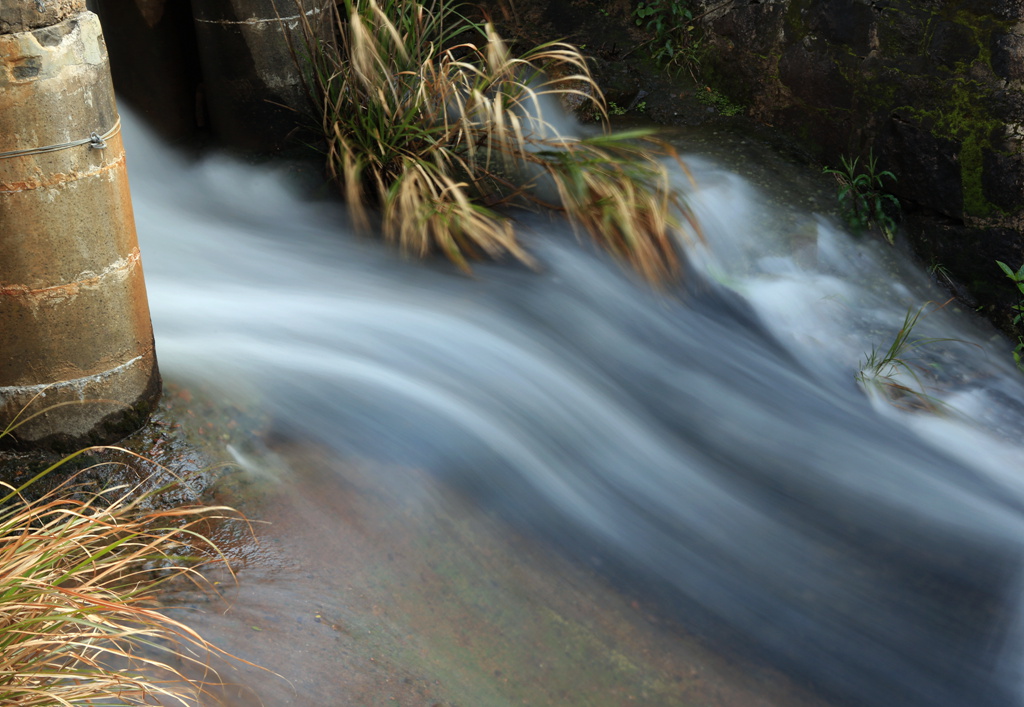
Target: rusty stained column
column 254, row 91
column 75, row 332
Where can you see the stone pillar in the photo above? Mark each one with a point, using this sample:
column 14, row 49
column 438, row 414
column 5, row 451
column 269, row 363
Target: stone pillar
column 76, row 343
column 254, row 91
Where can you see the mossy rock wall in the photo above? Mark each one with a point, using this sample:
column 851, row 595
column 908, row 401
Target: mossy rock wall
column 935, row 88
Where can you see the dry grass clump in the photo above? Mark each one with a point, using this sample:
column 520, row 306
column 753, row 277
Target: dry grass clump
column 430, row 120
column 78, row 617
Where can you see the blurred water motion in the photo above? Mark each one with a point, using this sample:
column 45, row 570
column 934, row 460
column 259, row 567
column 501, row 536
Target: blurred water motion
column 710, row 449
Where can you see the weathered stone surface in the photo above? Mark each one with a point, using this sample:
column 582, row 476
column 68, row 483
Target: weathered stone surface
column 842, row 22
column 814, row 77
column 22, row 15
column 1007, row 50
column 929, row 173
column 1003, row 180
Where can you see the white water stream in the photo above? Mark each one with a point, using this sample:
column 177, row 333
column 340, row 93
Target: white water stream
column 710, row 450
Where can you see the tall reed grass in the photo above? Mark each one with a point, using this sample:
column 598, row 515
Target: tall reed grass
column 79, row 571
column 433, row 124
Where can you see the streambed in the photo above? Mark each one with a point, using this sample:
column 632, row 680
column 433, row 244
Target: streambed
column 373, row 585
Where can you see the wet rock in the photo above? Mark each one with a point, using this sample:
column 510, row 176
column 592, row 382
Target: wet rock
column 814, row 77
column 927, row 165
column 952, row 44
column 1007, row 49
column 1003, row 180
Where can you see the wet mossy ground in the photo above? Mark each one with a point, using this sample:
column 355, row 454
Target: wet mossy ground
column 183, row 446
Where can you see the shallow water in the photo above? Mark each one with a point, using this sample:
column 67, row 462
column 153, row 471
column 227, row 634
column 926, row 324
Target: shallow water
column 708, row 452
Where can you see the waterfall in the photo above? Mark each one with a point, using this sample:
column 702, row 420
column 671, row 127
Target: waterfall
column 708, row 448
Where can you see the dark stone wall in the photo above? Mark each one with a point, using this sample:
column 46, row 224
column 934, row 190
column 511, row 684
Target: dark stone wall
column 935, row 88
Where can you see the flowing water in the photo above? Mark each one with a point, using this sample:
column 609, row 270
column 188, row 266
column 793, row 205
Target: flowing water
column 706, row 451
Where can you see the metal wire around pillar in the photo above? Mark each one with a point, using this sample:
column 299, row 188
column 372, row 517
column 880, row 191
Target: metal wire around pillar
column 95, row 141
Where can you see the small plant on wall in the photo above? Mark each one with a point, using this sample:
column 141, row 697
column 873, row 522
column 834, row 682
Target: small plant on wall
column 1018, row 280
column 863, row 201
column 676, row 44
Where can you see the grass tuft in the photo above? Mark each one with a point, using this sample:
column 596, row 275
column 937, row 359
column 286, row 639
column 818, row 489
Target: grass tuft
column 79, row 571
column 893, row 371
column 433, row 124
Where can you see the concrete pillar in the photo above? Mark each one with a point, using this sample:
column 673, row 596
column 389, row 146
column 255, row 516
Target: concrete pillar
column 75, row 333
column 254, row 91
